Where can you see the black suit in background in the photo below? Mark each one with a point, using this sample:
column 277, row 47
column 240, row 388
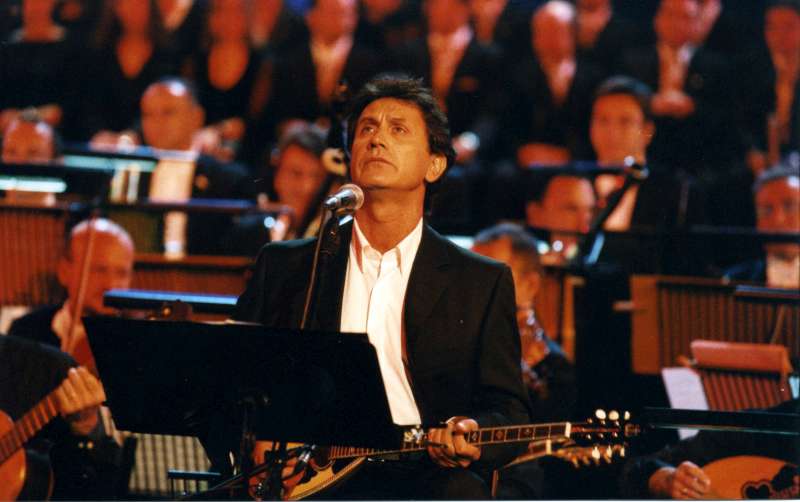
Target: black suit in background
column 707, row 140
column 756, row 101
column 471, row 103
column 294, row 83
column 461, row 337
column 532, row 115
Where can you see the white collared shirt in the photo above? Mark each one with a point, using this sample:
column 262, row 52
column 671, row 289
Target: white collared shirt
column 374, row 294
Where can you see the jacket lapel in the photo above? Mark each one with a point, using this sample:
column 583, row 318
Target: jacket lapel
column 427, row 283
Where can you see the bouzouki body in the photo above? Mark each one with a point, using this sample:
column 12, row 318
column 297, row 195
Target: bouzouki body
column 752, row 477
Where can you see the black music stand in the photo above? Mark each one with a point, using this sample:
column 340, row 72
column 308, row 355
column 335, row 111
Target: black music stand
column 170, row 377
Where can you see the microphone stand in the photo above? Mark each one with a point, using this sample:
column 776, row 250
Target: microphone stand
column 591, row 244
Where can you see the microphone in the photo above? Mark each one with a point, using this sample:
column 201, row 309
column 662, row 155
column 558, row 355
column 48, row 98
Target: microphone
column 349, row 197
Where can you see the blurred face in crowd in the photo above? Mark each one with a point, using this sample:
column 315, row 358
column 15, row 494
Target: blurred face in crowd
column 133, row 15
column 391, row 151
column 526, row 281
column 170, row 117
column 553, row 31
column 782, row 30
column 376, row 10
column 228, row 20
column 298, row 178
column 619, row 129
column 676, row 22
column 446, row 16
column 778, row 210
column 111, row 265
column 330, row 20
column 37, row 10
column 28, row 142
column 568, row 205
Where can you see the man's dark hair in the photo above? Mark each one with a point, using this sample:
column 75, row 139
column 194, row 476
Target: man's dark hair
column 307, row 137
column 789, row 167
column 524, row 246
column 788, row 4
column 410, row 90
column 621, row 84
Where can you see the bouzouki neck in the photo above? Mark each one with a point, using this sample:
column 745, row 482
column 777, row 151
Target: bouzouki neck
column 27, row 426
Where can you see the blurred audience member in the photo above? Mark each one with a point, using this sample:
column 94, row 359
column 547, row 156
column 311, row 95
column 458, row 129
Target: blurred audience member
column 770, row 85
column 182, row 23
column 28, row 138
column 38, row 61
column 546, row 372
column 385, row 25
column 602, row 36
column 300, row 179
column 127, row 56
column 306, row 79
column 692, row 104
column 273, row 27
column 548, row 112
column 230, row 76
column 621, row 129
column 777, row 198
column 461, row 71
column 563, row 209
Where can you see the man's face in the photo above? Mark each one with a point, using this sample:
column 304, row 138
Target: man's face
column 134, row 15
column 618, row 129
column 111, row 267
column 227, row 19
column 676, row 21
column 390, row 149
column 445, row 16
column 553, row 32
column 778, row 210
column 28, row 142
column 782, row 30
column 298, row 178
column 169, row 117
column 331, row 19
column 568, row 204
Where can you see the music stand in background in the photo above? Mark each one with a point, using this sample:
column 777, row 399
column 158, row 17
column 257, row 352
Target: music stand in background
column 175, row 377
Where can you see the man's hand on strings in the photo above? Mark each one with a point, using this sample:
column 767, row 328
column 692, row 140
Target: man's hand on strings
column 79, row 397
column 449, row 448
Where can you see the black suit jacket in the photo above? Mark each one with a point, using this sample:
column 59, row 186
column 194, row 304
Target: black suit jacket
column 472, row 101
column 706, row 139
column 462, row 341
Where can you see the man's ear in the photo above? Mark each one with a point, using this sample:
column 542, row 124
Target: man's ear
column 436, row 168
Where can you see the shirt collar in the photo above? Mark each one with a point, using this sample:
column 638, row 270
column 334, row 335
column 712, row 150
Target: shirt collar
column 404, row 252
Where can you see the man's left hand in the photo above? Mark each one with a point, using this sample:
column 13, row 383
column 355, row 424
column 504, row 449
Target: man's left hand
column 79, row 397
column 450, row 449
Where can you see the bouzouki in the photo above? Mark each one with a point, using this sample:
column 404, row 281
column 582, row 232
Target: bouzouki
column 332, row 465
column 751, row 477
column 13, row 435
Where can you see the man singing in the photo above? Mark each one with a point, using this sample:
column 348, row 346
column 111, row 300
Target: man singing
column 442, row 319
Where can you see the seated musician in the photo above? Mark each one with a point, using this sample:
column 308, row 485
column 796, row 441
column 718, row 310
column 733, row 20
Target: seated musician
column 442, row 319
column 777, row 199
column 28, row 373
column 110, row 266
column 84, row 473
column 675, row 472
column 547, row 373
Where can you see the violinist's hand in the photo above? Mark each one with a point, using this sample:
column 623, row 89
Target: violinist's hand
column 79, row 397
column 454, row 450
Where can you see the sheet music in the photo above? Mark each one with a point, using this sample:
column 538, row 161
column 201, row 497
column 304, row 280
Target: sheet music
column 685, row 391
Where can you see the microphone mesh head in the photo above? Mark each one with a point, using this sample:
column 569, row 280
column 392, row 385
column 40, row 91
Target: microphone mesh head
column 357, row 193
